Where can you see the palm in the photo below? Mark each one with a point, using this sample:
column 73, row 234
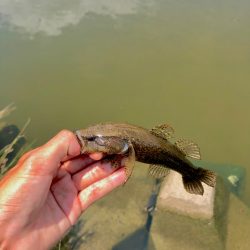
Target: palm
column 57, row 209
column 57, row 206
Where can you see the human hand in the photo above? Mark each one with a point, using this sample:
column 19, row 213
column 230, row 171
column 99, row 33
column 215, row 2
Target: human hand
column 48, row 189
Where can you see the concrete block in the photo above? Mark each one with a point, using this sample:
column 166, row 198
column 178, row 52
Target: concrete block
column 173, row 197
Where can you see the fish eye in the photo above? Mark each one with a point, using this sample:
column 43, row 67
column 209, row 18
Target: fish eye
column 91, row 138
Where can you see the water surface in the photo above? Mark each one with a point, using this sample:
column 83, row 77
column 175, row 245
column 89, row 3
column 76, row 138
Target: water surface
column 70, row 64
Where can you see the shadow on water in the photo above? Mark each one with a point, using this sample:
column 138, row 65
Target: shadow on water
column 141, row 239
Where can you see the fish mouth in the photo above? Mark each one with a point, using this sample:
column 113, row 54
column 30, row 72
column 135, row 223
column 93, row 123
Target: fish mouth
column 81, row 141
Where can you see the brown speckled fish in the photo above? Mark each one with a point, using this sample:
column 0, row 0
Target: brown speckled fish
column 148, row 146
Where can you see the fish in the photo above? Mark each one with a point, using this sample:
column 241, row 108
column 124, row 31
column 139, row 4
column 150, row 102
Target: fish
column 151, row 146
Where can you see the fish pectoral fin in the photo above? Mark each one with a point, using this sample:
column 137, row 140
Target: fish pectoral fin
column 158, row 171
column 189, row 148
column 129, row 161
column 192, row 186
column 164, row 131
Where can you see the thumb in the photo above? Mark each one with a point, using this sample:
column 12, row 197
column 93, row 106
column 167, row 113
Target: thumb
column 63, row 146
column 47, row 158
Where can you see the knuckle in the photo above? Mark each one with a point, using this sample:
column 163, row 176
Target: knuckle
column 66, row 133
column 93, row 173
column 95, row 193
column 27, row 154
column 24, row 157
column 32, row 159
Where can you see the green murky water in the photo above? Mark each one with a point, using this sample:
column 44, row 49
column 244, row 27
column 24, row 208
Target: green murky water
column 187, row 63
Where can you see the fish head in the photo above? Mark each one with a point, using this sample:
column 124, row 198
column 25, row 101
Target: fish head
column 101, row 138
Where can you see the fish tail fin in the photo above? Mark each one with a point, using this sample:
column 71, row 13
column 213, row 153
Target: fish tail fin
column 207, row 176
column 193, row 183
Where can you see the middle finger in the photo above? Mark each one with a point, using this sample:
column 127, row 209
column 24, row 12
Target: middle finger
column 93, row 173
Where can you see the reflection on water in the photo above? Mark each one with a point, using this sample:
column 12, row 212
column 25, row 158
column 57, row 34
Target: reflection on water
column 49, row 17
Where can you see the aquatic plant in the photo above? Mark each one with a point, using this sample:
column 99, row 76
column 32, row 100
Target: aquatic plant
column 5, row 164
column 7, row 110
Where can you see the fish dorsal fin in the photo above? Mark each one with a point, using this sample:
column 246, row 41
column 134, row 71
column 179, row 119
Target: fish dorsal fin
column 158, row 171
column 189, row 148
column 164, row 131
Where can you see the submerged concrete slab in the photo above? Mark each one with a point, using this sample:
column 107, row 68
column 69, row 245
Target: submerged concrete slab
column 173, row 197
column 118, row 220
column 238, row 225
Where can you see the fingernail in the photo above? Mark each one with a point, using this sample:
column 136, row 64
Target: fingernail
column 96, row 156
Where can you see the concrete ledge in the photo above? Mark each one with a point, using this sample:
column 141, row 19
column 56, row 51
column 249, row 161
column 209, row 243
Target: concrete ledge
column 173, row 197
column 174, row 226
